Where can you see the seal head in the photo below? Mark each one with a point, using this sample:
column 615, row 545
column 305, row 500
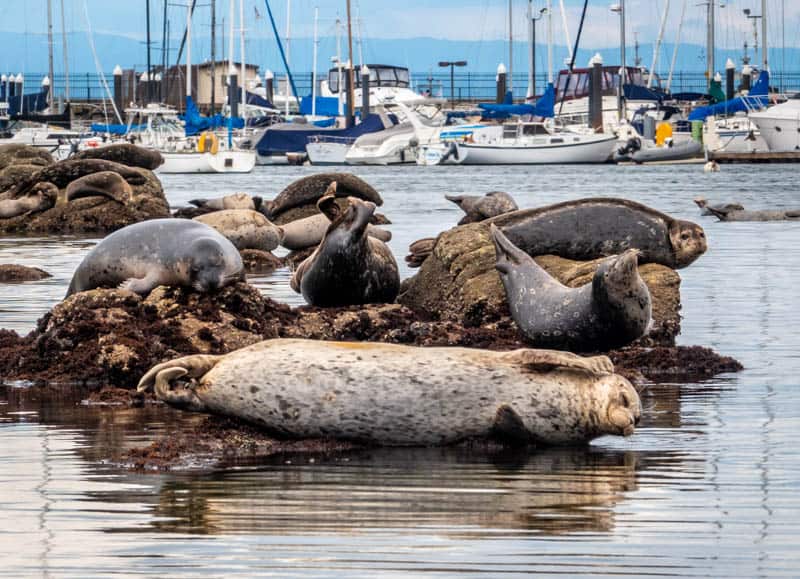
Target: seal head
column 622, row 409
column 209, row 268
column 688, row 242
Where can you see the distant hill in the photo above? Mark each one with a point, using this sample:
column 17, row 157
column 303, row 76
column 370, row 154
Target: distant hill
column 29, row 54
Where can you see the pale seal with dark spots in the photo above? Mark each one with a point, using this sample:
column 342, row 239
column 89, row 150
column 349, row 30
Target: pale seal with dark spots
column 232, row 201
column 479, row 208
column 40, row 197
column 398, row 395
column 611, row 311
column 589, row 228
column 245, row 228
column 348, row 267
column 146, row 255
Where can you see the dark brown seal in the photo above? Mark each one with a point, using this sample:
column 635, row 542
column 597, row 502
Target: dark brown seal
column 312, row 188
column 480, row 208
column 124, row 154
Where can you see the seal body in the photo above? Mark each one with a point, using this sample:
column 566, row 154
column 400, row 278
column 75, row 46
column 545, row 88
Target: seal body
column 393, row 394
column 312, row 188
column 103, row 184
column 232, row 201
column 42, row 196
column 706, row 209
column 309, row 231
column 348, row 267
column 612, row 310
column 125, row 154
column 596, row 227
column 479, row 208
column 728, row 214
column 145, row 255
column 245, row 228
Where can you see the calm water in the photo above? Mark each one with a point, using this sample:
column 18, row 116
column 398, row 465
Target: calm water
column 708, row 485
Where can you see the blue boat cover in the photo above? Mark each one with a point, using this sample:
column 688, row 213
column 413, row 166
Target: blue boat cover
column 324, row 123
column 758, row 98
column 292, row 138
column 197, row 123
column 544, row 107
column 326, row 106
column 635, row 92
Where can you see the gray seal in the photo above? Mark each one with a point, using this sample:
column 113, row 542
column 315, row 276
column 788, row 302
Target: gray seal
column 232, row 201
column 143, row 256
column 479, row 208
column 40, row 197
column 391, row 394
column 245, row 228
column 125, row 154
column 724, row 214
column 311, row 189
column 706, row 209
column 348, row 267
column 611, row 311
column 590, row 228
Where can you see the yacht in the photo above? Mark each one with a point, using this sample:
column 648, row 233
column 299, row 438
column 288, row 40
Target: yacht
column 780, row 125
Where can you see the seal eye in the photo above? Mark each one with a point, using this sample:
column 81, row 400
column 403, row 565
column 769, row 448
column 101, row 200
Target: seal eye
column 685, row 236
column 623, row 400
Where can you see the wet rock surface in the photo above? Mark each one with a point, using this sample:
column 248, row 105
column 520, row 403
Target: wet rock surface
column 458, row 282
column 10, row 273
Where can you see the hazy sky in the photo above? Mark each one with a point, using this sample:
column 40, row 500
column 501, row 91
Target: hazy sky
column 451, row 19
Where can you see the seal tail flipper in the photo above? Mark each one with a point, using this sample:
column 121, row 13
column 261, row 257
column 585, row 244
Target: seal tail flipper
column 194, row 366
column 551, row 359
column 420, row 250
column 720, row 214
column 183, row 398
column 198, row 202
column 327, row 203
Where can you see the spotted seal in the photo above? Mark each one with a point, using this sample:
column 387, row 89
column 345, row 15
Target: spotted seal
column 611, row 311
column 705, row 208
column 144, row 255
column 232, row 201
column 726, row 214
column 589, row 228
column 348, row 267
column 309, row 231
column 245, row 228
column 399, row 395
column 479, row 208
column 312, row 188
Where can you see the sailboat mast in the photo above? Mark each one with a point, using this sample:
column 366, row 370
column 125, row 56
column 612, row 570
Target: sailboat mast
column 677, row 44
column 765, row 66
column 351, row 91
column 64, row 48
column 231, row 69
column 243, row 86
column 288, row 48
column 549, row 42
column 566, row 27
column 50, row 53
column 339, row 63
column 531, row 64
column 148, row 91
column 510, row 47
column 658, row 44
column 710, row 42
column 213, row 56
column 189, row 52
column 314, row 67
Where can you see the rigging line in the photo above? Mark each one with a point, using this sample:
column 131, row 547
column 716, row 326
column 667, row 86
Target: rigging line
column 283, row 54
column 99, row 68
column 574, row 52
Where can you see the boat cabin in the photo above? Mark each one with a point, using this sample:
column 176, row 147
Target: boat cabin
column 578, row 86
column 379, row 75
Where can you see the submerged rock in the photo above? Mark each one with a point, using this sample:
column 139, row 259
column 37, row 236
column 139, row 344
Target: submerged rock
column 10, row 272
column 458, row 282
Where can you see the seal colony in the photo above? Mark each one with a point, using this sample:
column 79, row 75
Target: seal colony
column 401, row 395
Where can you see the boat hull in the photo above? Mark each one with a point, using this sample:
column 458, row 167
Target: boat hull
column 593, row 151
column 222, row 162
column 327, row 153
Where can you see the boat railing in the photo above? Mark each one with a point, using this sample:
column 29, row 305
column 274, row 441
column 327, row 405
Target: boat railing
column 332, row 139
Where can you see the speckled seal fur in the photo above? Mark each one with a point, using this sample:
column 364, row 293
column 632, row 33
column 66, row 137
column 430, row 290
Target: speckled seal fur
column 245, row 228
column 398, row 395
column 611, row 311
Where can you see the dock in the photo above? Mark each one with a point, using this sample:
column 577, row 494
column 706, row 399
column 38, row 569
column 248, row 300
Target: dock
column 756, row 157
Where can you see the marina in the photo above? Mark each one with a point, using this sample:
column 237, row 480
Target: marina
column 515, row 295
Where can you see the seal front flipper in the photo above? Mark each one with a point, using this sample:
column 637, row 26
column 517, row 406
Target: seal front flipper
column 141, row 286
column 508, row 426
column 552, row 359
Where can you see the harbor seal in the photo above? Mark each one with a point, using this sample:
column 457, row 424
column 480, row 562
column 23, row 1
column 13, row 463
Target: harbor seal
column 479, row 208
column 312, row 188
column 399, row 395
column 611, row 311
column 40, row 197
column 589, row 228
column 309, row 231
column 144, row 255
column 233, row 201
column 705, row 208
column 245, row 228
column 348, row 267
column 724, row 214
column 103, row 184
column 125, row 154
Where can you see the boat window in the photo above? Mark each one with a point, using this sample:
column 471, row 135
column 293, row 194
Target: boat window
column 533, row 129
column 509, row 131
column 553, row 141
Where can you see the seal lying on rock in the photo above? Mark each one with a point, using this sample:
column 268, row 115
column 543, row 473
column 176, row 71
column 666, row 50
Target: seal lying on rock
column 308, row 190
column 125, row 154
column 596, row 227
column 725, row 214
column 309, row 231
column 705, row 208
column 233, row 201
column 104, row 184
column 40, row 197
column 403, row 395
column 245, row 228
column 145, row 255
column 611, row 311
column 348, row 267
column 478, row 208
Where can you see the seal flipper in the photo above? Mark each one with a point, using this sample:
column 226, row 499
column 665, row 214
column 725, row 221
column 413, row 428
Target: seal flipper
column 508, row 426
column 195, row 367
column 552, row 359
column 185, row 398
column 141, row 286
column 327, row 203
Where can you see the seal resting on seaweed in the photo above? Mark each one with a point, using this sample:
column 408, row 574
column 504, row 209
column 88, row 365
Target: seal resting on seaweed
column 145, row 255
column 611, row 311
column 348, row 267
column 589, row 228
column 245, row 228
column 479, row 208
column 400, row 395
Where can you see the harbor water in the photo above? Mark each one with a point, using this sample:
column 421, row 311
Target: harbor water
column 709, row 485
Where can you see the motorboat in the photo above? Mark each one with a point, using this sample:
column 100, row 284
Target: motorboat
column 328, row 150
column 393, row 146
column 780, row 125
column 59, row 142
